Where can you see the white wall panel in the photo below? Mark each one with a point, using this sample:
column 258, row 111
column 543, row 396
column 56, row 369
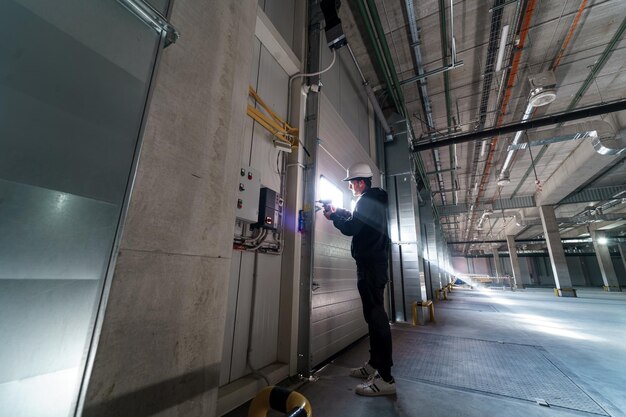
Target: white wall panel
column 249, row 304
column 264, row 342
column 243, row 308
column 229, row 327
column 249, row 123
column 272, row 88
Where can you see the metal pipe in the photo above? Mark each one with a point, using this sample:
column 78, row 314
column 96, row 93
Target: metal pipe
column 414, row 31
column 446, row 86
column 368, row 11
column 371, row 96
column 504, row 172
column 385, row 49
column 549, row 120
column 488, row 73
column 378, row 56
column 432, row 72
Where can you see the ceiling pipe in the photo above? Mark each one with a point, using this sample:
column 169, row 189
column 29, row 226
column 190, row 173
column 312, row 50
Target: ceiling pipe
column 372, row 98
column 423, row 88
column 488, row 73
column 541, row 95
column 484, row 216
column 376, row 43
column 503, row 178
column 375, row 18
column 443, row 31
column 382, row 55
column 524, row 19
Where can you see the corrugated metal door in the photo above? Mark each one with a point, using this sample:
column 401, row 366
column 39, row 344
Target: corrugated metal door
column 336, row 314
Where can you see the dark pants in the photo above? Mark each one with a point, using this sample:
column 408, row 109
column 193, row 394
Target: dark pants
column 371, row 281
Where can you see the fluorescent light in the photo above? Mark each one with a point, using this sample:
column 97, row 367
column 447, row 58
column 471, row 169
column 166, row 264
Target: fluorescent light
column 603, row 240
column 503, row 36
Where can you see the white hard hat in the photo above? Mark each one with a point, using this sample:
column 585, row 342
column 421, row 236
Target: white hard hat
column 359, row 170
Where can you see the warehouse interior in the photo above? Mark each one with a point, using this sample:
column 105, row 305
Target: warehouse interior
column 162, row 249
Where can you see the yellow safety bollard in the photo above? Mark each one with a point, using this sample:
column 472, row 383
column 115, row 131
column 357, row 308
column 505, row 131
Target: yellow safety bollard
column 427, row 303
column 292, row 403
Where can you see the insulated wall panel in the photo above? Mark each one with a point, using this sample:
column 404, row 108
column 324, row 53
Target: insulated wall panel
column 251, row 332
column 407, row 250
column 336, row 316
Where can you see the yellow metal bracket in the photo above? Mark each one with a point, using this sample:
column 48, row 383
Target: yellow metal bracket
column 285, row 135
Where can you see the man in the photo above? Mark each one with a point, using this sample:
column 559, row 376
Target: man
column 370, row 244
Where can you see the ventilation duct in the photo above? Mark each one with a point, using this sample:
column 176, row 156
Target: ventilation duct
column 610, row 145
column 542, row 93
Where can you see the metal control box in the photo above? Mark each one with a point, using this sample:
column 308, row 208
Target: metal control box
column 270, row 209
column 247, row 204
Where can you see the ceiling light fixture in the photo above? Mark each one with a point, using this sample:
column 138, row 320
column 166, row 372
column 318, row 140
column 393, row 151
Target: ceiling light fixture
column 503, row 36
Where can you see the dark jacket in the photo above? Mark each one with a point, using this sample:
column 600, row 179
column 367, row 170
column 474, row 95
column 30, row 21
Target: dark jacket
column 367, row 225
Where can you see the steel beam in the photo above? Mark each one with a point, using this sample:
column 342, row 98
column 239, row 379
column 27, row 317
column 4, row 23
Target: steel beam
column 596, row 194
column 549, row 120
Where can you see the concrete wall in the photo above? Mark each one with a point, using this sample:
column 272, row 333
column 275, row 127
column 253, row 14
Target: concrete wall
column 584, row 269
column 160, row 346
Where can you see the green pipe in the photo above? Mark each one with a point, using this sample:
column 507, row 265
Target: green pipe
column 386, row 52
column 599, row 65
column 446, row 86
column 378, row 56
column 581, row 92
column 444, row 54
column 386, row 64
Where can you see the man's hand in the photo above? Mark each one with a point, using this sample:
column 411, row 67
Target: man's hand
column 328, row 210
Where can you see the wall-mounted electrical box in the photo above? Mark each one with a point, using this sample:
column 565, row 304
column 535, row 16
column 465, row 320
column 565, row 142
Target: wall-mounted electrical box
column 247, row 204
column 270, row 209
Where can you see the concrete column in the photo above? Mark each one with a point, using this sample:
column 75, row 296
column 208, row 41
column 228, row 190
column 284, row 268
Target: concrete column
column 622, row 251
column 557, row 254
column 496, row 261
column 517, row 272
column 159, row 350
column 609, row 276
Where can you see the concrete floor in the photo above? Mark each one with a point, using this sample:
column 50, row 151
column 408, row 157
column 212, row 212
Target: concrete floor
column 582, row 340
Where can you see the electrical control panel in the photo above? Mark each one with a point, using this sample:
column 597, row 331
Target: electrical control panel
column 270, row 209
column 247, row 204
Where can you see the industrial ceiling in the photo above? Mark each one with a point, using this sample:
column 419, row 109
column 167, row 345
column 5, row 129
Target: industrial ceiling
column 454, row 67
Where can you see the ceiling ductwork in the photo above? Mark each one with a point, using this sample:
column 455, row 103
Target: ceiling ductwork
column 542, row 89
column 542, row 93
column 610, row 145
column 587, row 161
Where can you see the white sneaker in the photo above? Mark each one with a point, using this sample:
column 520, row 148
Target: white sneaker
column 376, row 386
column 364, row 372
